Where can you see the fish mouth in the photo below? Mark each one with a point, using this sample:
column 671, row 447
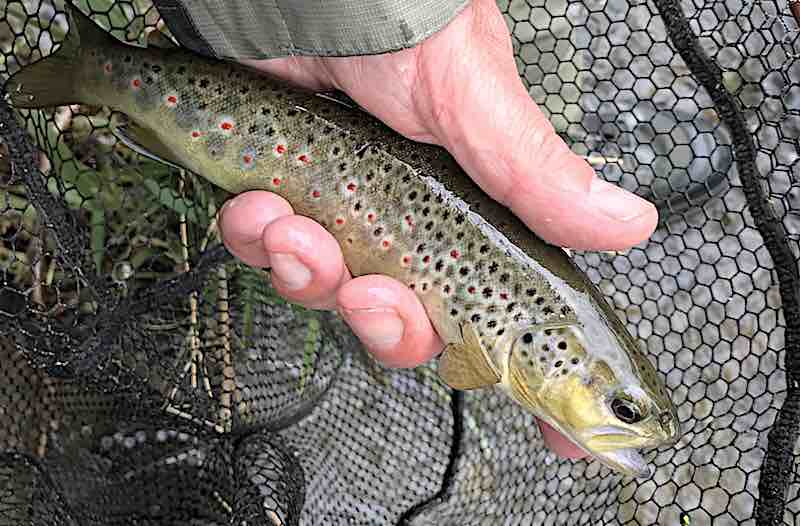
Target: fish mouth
column 611, row 445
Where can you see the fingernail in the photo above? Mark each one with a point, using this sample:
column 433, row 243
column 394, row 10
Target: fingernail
column 289, row 271
column 379, row 329
column 617, row 203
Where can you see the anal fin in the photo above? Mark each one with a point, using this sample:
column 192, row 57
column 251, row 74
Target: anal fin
column 466, row 365
column 145, row 143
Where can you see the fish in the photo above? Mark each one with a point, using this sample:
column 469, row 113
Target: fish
column 514, row 312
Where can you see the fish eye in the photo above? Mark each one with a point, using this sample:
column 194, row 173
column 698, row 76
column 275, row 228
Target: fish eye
column 626, row 411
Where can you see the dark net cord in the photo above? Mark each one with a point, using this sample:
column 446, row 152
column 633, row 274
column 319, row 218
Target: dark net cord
column 778, row 463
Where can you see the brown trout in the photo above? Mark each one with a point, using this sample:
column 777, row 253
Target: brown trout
column 513, row 311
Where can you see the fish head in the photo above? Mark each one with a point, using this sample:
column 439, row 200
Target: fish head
column 609, row 401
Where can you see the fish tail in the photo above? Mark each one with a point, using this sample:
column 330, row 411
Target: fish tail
column 54, row 80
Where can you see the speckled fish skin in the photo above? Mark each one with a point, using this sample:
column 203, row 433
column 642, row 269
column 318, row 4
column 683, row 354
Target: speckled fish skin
column 401, row 209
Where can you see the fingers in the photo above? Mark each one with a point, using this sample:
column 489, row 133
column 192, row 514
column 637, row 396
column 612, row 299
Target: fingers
column 307, row 263
column 558, row 443
column 483, row 114
column 243, row 220
column 308, row 268
column 390, row 321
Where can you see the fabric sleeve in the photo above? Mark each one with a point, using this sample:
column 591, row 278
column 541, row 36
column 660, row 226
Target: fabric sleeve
column 257, row 29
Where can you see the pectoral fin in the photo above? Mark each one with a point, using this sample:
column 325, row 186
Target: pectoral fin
column 145, row 143
column 156, row 38
column 466, row 365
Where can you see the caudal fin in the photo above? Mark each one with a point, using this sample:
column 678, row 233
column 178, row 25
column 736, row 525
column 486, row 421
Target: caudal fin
column 53, row 80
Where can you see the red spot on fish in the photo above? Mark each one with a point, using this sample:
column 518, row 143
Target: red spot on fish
column 471, row 290
column 503, row 296
column 276, row 182
column 225, row 125
column 386, row 243
column 195, row 134
column 409, row 220
column 406, row 260
column 172, row 99
column 371, row 217
column 136, row 83
column 316, row 194
column 280, row 149
column 108, row 67
column 304, row 159
column 426, row 259
column 339, row 221
column 454, row 254
column 247, row 158
column 351, row 187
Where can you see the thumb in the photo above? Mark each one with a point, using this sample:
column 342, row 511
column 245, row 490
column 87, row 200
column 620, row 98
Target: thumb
column 484, row 116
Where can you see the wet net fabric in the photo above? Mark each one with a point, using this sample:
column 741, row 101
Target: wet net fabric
column 148, row 378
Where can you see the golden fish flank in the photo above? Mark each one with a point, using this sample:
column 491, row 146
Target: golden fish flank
column 512, row 309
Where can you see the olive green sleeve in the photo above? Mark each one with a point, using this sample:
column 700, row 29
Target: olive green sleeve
column 252, row 29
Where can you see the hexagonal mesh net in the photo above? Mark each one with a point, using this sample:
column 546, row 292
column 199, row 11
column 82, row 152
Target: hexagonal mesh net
column 148, row 378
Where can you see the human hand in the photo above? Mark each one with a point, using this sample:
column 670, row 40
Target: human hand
column 459, row 89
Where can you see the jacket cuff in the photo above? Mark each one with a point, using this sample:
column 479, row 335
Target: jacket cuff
column 259, row 29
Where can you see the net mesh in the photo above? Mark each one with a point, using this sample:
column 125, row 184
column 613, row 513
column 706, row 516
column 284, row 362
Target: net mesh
column 148, row 378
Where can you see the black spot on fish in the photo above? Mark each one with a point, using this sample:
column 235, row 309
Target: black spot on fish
column 575, row 361
column 270, row 131
column 412, row 196
column 527, row 338
column 487, row 292
column 357, row 206
column 156, row 68
column 484, row 249
column 446, row 215
column 540, row 300
column 453, row 313
column 426, row 211
column 429, row 225
column 309, row 118
column 463, row 271
column 439, row 265
column 370, row 175
column 387, row 188
column 127, row 59
column 252, row 129
column 459, row 219
column 377, row 232
column 244, row 90
column 547, row 310
column 504, row 278
column 336, row 150
column 492, row 324
column 475, row 318
column 510, row 307
column 493, row 267
column 343, row 167
column 500, row 332
column 292, row 112
column 531, row 292
column 439, row 236
column 562, row 345
column 181, row 70
column 387, row 167
column 406, row 178
column 559, row 363
column 265, row 111
column 426, row 198
column 204, row 83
